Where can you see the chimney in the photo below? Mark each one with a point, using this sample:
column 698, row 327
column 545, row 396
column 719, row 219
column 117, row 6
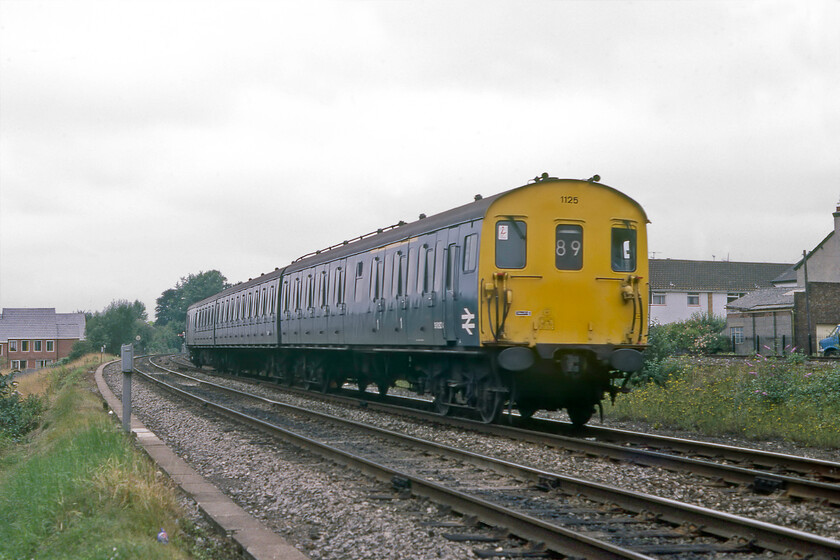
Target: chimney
column 837, row 219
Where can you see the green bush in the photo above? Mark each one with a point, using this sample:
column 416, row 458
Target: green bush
column 701, row 334
column 18, row 416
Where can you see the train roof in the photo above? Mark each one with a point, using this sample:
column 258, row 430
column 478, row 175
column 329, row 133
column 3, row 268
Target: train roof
column 400, row 232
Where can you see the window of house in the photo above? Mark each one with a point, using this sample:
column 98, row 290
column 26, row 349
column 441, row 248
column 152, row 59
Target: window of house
column 511, row 243
column 24, row 346
column 13, row 346
column 50, row 346
column 16, row 364
column 36, row 345
column 732, row 296
column 736, row 334
column 623, row 250
column 657, row 299
column 568, row 247
column 693, row 299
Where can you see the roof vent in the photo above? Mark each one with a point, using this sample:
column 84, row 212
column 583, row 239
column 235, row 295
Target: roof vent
column 477, row 197
column 422, row 216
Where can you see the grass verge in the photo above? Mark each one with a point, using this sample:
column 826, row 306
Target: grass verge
column 78, row 487
column 789, row 399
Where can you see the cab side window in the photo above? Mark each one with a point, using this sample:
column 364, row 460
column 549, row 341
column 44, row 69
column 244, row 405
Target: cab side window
column 623, row 249
column 511, row 243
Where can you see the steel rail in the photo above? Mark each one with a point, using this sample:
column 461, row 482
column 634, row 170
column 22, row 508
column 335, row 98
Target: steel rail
column 555, row 538
column 722, row 525
column 761, row 480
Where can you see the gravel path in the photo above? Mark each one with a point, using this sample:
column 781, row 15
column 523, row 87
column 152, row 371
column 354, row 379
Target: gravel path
column 328, row 511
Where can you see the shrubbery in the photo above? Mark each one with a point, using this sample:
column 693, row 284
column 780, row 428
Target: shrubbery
column 18, row 415
column 701, row 334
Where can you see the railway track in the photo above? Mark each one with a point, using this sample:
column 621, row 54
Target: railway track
column 760, row 471
column 569, row 516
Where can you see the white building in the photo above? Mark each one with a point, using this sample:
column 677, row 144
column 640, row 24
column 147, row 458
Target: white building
column 682, row 288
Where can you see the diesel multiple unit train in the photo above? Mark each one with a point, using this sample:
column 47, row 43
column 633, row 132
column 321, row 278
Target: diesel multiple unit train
column 533, row 298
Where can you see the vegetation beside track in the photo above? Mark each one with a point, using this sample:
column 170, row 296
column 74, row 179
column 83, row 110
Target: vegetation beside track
column 77, row 487
column 759, row 398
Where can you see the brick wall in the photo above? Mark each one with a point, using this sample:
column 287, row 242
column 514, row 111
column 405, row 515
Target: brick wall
column 824, row 300
column 61, row 349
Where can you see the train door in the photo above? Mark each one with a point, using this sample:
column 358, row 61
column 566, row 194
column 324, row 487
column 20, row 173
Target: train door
column 450, row 289
column 307, row 306
column 467, row 311
column 321, row 283
column 393, row 315
column 337, row 306
column 399, row 291
column 377, row 296
column 417, row 325
column 435, row 299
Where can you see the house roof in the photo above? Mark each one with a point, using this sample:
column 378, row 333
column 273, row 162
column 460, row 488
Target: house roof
column 814, row 250
column 764, row 300
column 787, row 276
column 712, row 276
column 40, row 323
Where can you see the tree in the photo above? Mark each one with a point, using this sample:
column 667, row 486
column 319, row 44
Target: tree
column 173, row 303
column 120, row 323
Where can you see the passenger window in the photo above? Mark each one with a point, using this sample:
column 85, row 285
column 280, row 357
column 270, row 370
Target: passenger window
column 568, row 247
column 428, row 270
column 451, row 263
column 339, row 286
column 376, row 274
column 511, row 243
column 438, row 282
column 470, row 252
column 360, row 269
column 411, row 273
column 623, row 250
column 401, row 276
column 396, row 276
column 310, row 292
column 324, row 288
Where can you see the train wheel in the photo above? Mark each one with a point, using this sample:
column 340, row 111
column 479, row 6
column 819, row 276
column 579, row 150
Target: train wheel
column 488, row 399
column 442, row 394
column 362, row 384
column 317, row 379
column 580, row 415
column 383, row 388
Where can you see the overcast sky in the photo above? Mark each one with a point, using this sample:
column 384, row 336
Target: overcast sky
column 144, row 141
